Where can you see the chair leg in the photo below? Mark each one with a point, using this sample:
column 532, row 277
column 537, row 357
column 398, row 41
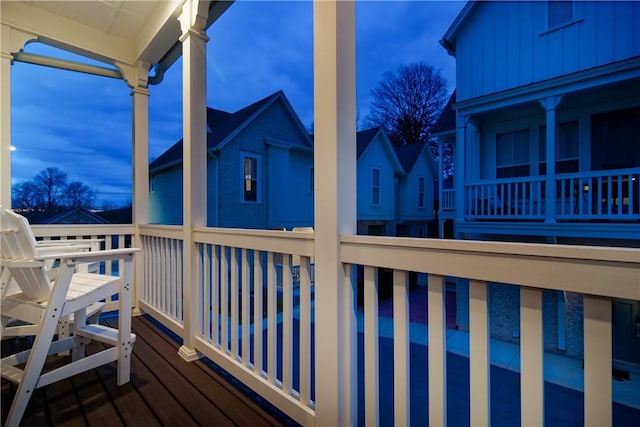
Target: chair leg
column 79, row 320
column 124, row 325
column 33, row 368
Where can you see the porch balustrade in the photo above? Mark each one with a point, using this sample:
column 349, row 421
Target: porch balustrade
column 582, row 196
column 262, row 331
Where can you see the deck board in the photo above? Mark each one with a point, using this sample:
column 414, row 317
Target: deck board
column 164, row 390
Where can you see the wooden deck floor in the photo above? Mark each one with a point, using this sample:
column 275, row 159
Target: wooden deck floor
column 164, row 391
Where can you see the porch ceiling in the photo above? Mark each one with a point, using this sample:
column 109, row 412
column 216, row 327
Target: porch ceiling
column 110, row 31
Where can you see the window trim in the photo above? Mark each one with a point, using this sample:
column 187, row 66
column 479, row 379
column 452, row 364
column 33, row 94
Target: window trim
column 513, row 165
column 258, row 163
column 375, row 187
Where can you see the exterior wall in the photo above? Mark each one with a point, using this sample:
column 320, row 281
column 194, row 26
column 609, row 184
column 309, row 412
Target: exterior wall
column 376, row 156
column 407, row 209
column 281, row 174
column 508, row 44
column 574, row 107
column 166, row 192
column 290, row 192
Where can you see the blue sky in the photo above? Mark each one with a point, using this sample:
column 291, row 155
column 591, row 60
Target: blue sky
column 82, row 123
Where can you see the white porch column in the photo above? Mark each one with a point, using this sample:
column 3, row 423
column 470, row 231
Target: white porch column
column 335, row 209
column 137, row 79
column 549, row 104
column 459, row 175
column 12, row 41
column 194, row 101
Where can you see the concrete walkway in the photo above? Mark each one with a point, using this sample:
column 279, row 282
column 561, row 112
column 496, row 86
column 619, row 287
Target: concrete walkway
column 558, row 369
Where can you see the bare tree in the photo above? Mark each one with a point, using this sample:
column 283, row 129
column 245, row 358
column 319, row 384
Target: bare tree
column 407, row 104
column 50, row 192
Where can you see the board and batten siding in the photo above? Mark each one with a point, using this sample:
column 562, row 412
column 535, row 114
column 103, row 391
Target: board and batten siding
column 508, row 44
column 376, row 156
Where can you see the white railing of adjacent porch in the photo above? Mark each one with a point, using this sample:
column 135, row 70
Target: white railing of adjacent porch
column 448, row 199
column 599, row 195
column 237, row 278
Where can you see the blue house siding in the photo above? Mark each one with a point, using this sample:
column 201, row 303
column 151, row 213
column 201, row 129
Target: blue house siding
column 522, row 85
column 504, row 45
column 269, row 135
column 166, row 190
column 376, row 204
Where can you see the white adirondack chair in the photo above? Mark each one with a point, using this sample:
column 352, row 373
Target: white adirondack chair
column 43, row 248
column 42, row 302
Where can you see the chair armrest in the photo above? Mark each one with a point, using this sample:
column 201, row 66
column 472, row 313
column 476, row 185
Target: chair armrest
column 106, row 255
column 21, row 263
column 58, row 249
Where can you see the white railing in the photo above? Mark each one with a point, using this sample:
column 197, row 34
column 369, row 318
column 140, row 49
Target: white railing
column 448, row 200
column 599, row 273
column 254, row 305
column 100, row 237
column 515, row 198
column 599, row 195
column 161, row 290
column 612, row 194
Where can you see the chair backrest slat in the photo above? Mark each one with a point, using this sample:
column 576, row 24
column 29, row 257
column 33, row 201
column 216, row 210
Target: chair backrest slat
column 19, row 243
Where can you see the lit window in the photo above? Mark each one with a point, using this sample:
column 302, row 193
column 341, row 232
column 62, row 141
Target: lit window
column 250, row 180
column 375, row 186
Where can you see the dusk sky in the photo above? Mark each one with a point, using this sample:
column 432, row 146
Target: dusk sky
column 82, row 123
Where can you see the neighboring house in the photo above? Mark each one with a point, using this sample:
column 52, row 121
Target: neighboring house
column 378, row 167
column 415, row 190
column 259, row 170
column 547, row 140
column 67, row 216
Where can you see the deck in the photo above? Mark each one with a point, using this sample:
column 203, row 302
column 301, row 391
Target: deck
column 164, row 390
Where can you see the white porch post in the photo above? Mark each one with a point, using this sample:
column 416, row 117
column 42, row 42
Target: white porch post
column 140, row 158
column 549, row 104
column 335, row 209
column 459, row 175
column 12, row 41
column 194, row 101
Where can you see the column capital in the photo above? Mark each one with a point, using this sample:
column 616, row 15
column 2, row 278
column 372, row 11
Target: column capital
column 13, row 41
column 193, row 17
column 550, row 102
column 140, row 91
column 136, row 75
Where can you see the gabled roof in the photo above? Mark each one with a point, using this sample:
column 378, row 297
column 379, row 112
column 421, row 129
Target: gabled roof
column 364, row 139
column 447, row 121
column 223, row 126
column 408, row 155
column 76, row 216
column 449, row 39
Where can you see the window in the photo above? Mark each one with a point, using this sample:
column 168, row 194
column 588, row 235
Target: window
column 250, row 178
column 152, row 183
column 559, row 12
column 615, row 140
column 311, row 180
column 421, row 192
column 512, row 154
column 375, row 186
column 567, row 148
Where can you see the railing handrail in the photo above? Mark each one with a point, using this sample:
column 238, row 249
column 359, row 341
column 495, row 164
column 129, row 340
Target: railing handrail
column 55, row 230
column 299, row 243
column 600, row 173
column 604, row 271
